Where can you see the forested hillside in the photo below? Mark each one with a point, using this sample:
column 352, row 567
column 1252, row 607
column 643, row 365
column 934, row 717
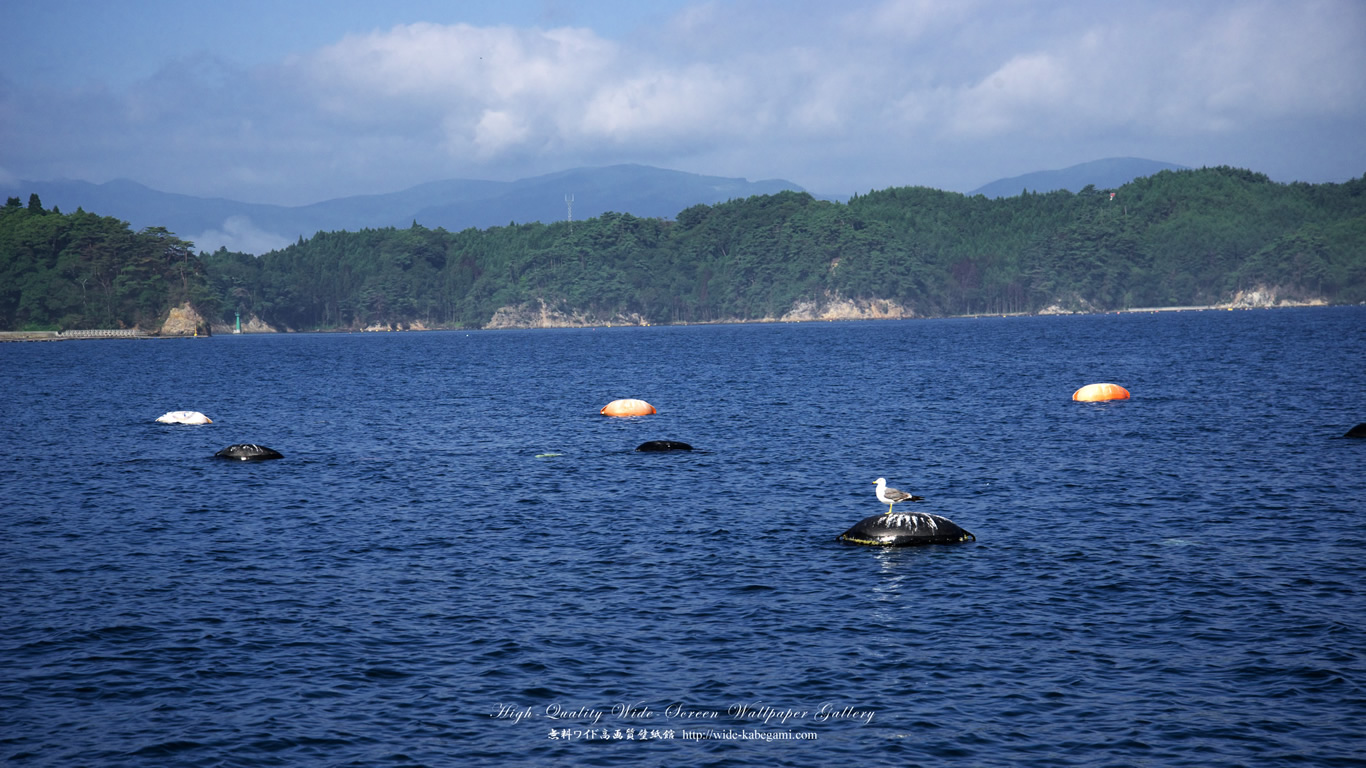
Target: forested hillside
column 80, row 270
column 1175, row 238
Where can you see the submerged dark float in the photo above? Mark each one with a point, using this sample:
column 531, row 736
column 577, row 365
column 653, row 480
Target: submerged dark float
column 663, row 445
column 905, row 529
column 248, row 452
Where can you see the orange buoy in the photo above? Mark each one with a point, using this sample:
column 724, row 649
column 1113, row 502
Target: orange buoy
column 628, row 407
column 1093, row 392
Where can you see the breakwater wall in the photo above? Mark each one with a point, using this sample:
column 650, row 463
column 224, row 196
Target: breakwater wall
column 94, row 333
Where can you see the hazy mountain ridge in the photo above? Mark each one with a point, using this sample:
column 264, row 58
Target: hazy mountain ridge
column 458, row 204
column 454, row 204
column 1108, row 173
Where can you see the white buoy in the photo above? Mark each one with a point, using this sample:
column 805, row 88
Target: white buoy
column 184, row 417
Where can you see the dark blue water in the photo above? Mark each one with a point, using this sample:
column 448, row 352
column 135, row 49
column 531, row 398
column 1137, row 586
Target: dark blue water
column 459, row 561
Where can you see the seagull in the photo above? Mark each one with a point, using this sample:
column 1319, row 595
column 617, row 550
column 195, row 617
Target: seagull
column 890, row 496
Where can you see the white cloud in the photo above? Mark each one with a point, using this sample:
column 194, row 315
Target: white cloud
column 834, row 97
column 667, row 106
column 1017, row 92
column 498, row 130
column 503, row 92
column 1187, row 71
column 457, row 66
column 915, row 19
column 240, row 235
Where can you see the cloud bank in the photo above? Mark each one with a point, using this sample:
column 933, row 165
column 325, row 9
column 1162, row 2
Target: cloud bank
column 950, row 94
column 239, row 234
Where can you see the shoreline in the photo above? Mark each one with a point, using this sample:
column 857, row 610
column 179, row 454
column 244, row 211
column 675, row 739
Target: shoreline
column 127, row 334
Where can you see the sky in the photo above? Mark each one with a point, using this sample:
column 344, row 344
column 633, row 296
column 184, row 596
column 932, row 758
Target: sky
column 296, row 101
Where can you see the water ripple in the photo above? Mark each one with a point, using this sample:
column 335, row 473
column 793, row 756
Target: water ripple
column 455, row 532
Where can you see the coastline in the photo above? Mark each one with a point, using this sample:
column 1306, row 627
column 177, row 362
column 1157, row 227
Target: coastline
column 545, row 322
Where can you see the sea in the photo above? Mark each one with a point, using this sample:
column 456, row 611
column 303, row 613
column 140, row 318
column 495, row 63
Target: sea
column 459, row 562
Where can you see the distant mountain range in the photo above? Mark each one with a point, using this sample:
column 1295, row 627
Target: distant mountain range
column 1109, row 173
column 459, row 204
column 456, row 204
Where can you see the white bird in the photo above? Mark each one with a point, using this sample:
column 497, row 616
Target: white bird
column 184, row 417
column 890, row 496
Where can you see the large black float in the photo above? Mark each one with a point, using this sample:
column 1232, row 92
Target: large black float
column 248, row 452
column 905, row 529
column 660, row 446
column 1357, row 431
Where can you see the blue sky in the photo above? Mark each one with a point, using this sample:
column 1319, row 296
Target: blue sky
column 296, row 101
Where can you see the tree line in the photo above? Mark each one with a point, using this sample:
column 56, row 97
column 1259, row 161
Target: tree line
column 80, row 270
column 1175, row 238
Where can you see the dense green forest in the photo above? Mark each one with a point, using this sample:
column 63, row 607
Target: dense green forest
column 1175, row 238
column 80, row 270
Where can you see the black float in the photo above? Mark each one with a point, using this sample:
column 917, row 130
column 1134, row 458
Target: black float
column 905, row 529
column 663, row 445
column 248, row 452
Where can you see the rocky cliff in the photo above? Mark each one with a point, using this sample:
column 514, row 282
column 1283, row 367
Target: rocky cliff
column 538, row 314
column 836, row 307
column 184, row 321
